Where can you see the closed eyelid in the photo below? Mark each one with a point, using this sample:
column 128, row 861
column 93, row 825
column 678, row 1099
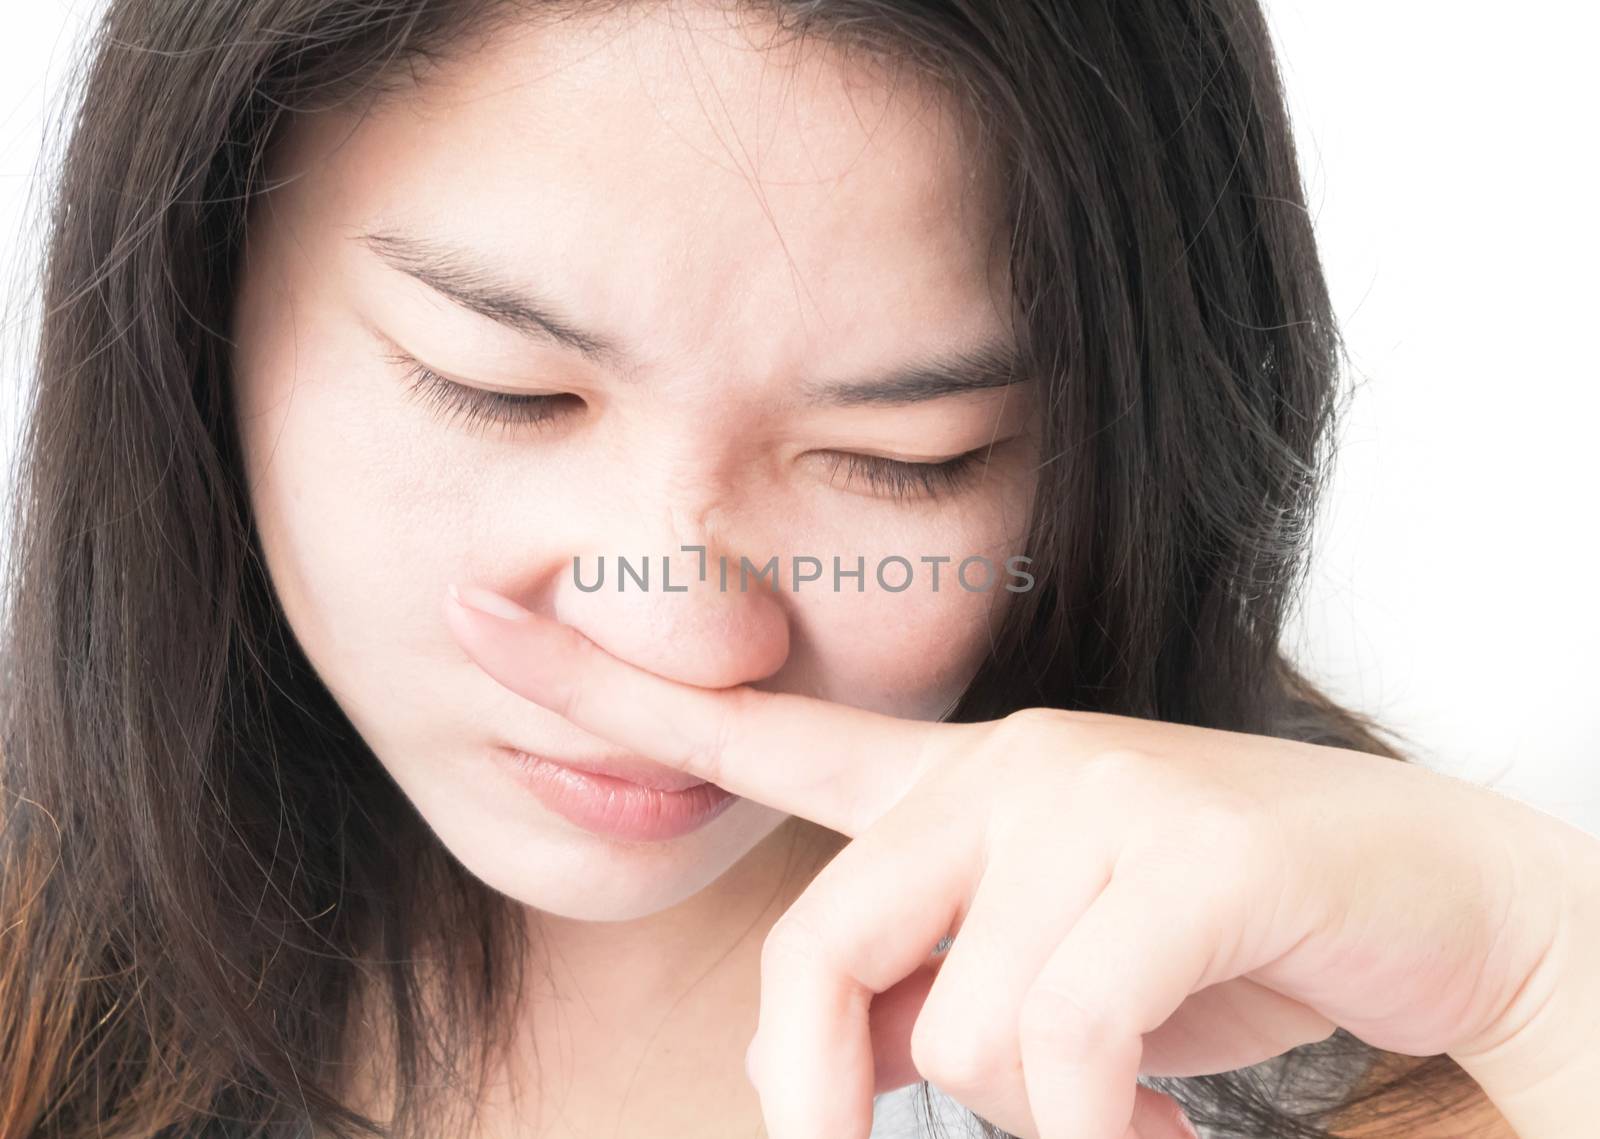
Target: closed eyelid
column 471, row 281
column 1005, row 412
column 891, row 478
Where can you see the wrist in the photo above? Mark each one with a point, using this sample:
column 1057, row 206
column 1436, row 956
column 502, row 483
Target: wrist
column 1539, row 1062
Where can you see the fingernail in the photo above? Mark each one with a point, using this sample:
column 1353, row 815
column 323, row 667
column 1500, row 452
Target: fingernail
column 1186, row 1127
column 487, row 601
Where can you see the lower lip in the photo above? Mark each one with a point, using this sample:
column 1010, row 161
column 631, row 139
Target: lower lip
column 618, row 808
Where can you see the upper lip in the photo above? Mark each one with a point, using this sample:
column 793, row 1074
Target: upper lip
column 627, row 767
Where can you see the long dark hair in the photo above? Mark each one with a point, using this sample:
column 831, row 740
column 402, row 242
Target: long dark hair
column 201, row 863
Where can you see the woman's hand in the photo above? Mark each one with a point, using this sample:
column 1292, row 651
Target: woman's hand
column 1127, row 896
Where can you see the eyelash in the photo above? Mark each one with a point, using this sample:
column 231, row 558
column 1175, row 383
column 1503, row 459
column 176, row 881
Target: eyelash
column 901, row 480
column 894, row 478
column 478, row 407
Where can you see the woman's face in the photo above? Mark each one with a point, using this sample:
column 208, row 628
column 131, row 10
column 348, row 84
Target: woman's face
column 702, row 249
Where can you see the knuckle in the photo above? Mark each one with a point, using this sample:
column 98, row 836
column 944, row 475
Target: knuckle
column 1060, row 1024
column 1117, row 771
column 1032, row 719
column 1025, row 726
column 709, row 763
column 1229, row 828
column 578, row 684
column 795, row 937
column 709, row 758
column 1019, row 735
column 958, row 1059
column 570, row 701
column 1215, row 844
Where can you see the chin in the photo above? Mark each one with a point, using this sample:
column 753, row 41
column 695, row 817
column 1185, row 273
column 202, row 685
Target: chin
column 561, row 870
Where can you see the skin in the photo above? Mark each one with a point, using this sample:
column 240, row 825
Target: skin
column 1128, row 896
column 741, row 220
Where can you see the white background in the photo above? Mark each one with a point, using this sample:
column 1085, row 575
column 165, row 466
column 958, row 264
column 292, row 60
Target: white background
column 1448, row 152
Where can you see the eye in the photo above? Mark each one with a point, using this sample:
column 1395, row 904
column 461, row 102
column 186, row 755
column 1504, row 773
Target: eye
column 478, row 408
column 482, row 408
column 901, row 481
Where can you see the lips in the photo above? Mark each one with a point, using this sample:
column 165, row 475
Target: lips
column 628, row 767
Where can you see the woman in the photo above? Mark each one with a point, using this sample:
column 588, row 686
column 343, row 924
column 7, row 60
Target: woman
column 421, row 386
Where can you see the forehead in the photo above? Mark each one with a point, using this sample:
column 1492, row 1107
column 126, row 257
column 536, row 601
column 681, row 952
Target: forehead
column 688, row 182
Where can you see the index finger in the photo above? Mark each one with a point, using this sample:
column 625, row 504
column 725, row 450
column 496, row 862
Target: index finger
column 838, row 766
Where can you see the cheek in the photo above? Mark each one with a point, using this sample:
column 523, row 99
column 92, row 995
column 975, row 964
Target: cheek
column 912, row 653
column 909, row 654
column 357, row 526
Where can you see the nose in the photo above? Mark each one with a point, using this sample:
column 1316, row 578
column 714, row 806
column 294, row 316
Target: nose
column 669, row 611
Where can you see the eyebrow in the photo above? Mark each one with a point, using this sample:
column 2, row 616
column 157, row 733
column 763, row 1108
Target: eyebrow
column 474, row 285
